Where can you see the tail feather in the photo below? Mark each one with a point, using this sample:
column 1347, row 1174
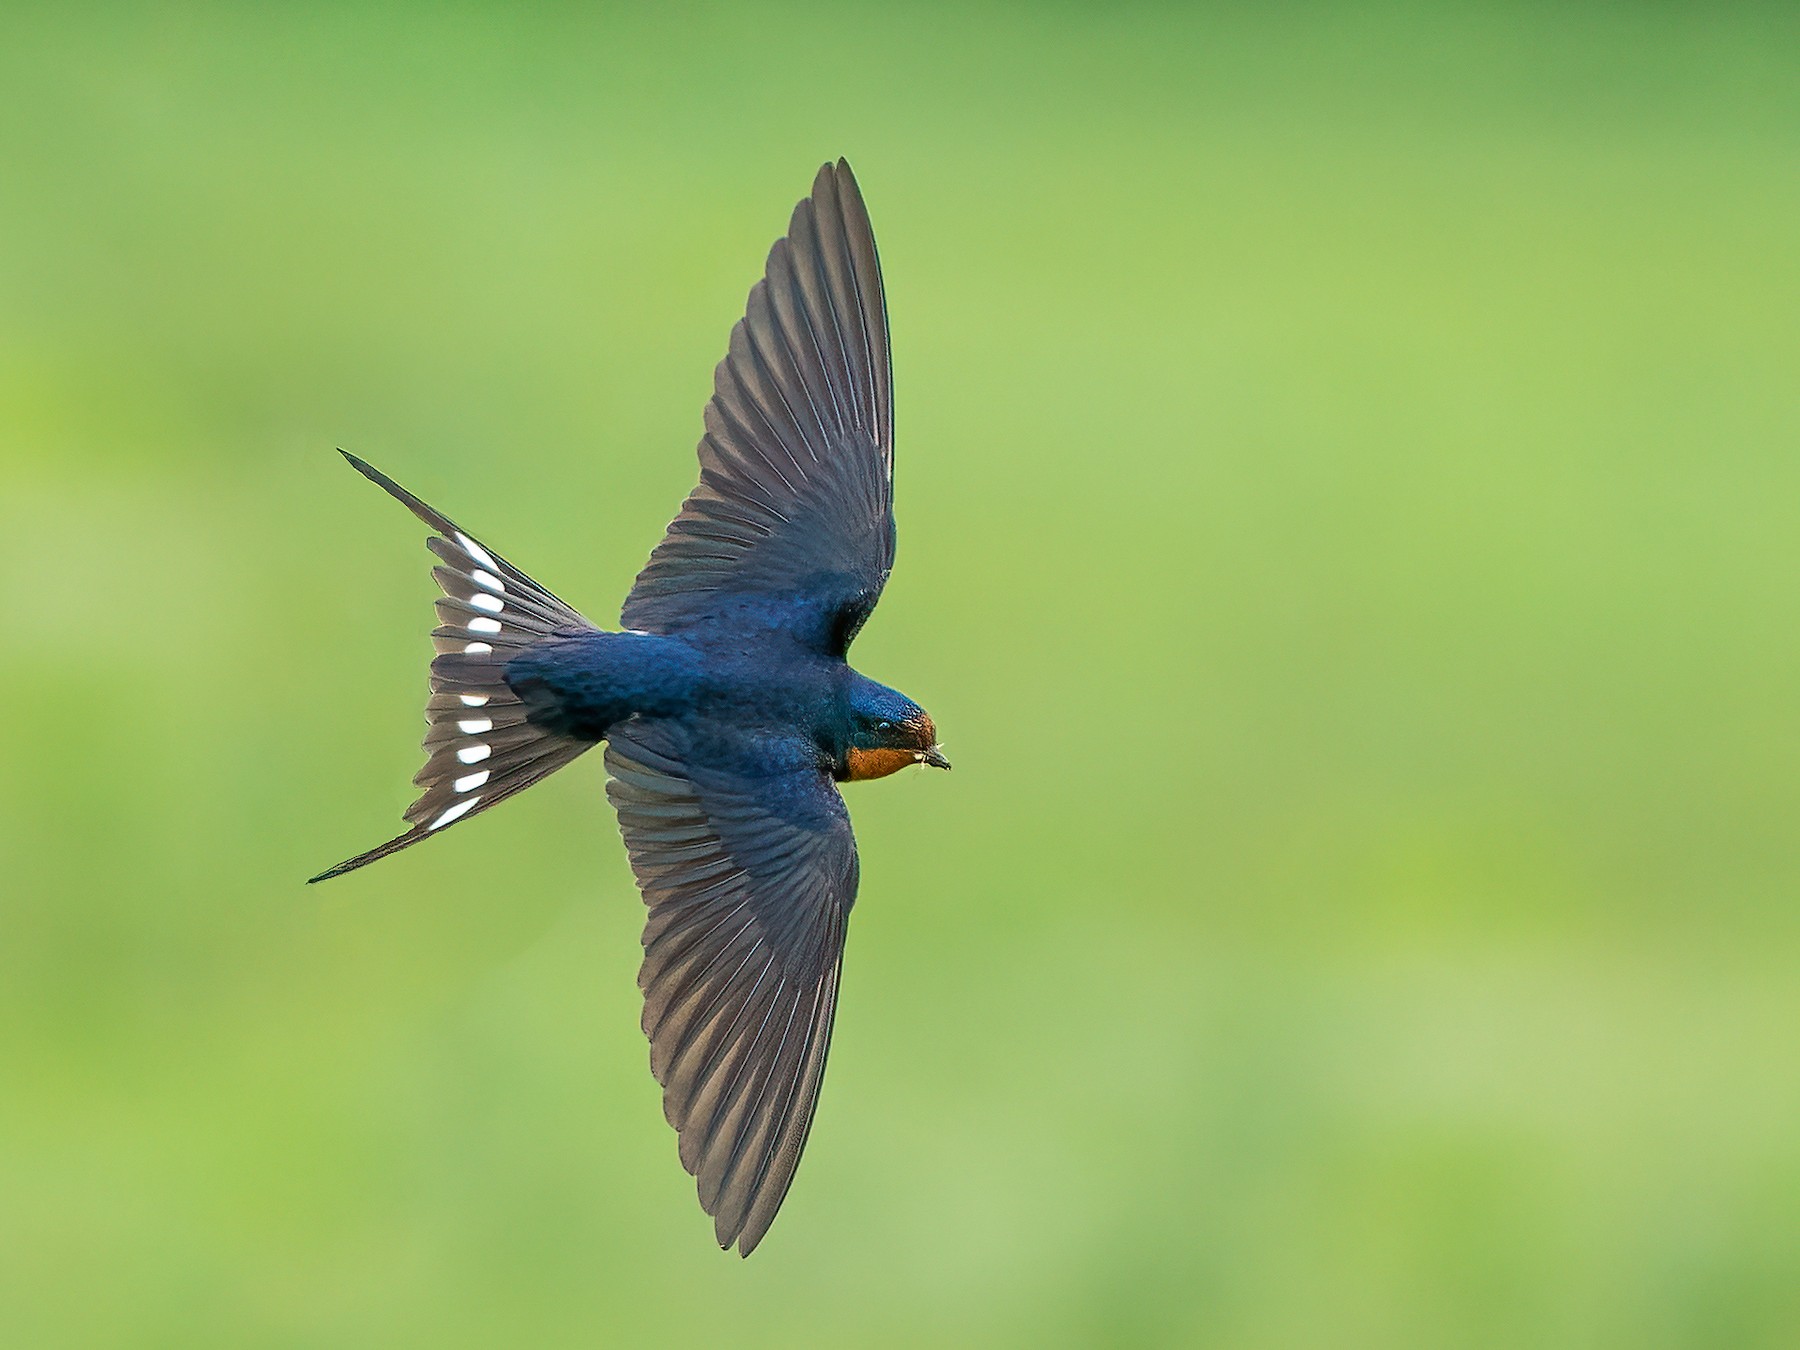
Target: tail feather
column 480, row 747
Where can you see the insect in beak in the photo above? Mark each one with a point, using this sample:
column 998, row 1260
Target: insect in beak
column 934, row 757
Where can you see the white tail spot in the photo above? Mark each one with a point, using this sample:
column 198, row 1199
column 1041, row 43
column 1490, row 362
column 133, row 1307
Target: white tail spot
column 474, row 726
column 474, row 754
column 493, row 604
column 472, row 782
column 488, row 579
column 484, row 625
column 474, row 700
column 475, row 551
column 477, row 649
column 456, row 812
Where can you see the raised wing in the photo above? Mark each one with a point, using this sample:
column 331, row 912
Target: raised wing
column 749, row 869
column 793, row 516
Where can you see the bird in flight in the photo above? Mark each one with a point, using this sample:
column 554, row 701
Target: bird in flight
column 726, row 703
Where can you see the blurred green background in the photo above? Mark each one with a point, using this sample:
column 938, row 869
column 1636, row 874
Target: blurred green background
column 1348, row 540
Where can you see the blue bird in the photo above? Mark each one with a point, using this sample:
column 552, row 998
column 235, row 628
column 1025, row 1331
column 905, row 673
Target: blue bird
column 727, row 707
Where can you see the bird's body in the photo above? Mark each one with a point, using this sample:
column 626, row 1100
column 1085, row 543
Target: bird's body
column 726, row 704
column 587, row 683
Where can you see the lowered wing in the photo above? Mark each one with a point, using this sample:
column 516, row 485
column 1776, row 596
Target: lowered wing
column 748, row 866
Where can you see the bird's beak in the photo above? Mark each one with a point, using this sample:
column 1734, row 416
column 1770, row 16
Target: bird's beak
column 934, row 757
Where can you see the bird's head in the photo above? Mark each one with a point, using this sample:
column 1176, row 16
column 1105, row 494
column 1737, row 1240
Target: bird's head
column 888, row 732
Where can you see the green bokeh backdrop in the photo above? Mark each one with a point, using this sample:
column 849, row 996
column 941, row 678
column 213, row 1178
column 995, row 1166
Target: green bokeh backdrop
column 1348, row 492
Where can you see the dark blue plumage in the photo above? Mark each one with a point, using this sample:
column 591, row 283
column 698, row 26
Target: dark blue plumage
column 726, row 707
column 584, row 684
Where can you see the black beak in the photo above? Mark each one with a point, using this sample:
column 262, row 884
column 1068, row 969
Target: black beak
column 934, row 757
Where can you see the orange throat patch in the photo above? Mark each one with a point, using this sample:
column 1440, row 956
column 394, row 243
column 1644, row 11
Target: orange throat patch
column 878, row 763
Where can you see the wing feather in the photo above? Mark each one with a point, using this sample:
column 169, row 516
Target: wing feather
column 795, row 502
column 748, row 868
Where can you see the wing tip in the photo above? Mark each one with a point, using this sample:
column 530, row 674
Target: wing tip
column 836, row 181
column 740, row 1237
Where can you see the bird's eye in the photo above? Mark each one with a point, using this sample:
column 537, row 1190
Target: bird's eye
column 884, row 726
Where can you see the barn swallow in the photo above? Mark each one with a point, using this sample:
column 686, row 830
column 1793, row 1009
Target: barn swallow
column 726, row 703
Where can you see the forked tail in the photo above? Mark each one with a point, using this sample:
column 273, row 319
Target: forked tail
column 480, row 748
